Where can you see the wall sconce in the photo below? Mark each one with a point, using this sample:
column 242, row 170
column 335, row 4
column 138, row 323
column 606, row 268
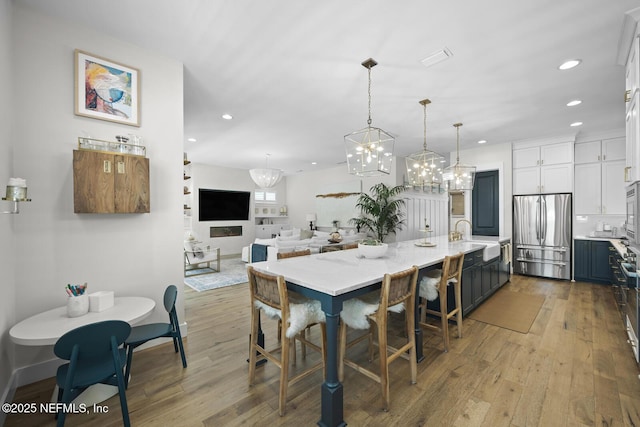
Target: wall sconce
column 16, row 193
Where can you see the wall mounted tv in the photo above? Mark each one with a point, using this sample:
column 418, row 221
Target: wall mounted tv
column 223, row 205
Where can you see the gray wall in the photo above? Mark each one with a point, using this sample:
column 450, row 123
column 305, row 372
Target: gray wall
column 50, row 245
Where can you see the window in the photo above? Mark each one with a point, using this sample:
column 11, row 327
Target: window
column 263, row 196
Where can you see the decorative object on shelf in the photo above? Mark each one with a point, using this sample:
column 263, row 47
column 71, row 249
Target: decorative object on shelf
column 311, row 217
column 459, row 177
column 106, row 90
column 112, row 147
column 266, row 177
column 16, row 193
column 369, row 150
column 372, row 248
column 381, row 212
column 335, row 237
column 424, row 167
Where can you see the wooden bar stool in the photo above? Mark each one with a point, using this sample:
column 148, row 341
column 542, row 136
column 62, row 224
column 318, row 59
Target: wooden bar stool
column 451, row 274
column 269, row 294
column 397, row 294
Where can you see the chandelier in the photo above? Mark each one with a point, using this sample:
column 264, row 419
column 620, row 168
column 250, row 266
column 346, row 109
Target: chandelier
column 266, row 177
column 423, row 168
column 459, row 177
column 369, row 150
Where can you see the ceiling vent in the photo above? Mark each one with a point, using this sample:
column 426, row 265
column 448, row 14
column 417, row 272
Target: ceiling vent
column 437, row 57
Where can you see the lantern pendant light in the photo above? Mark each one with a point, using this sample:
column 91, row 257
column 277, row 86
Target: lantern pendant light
column 459, row 177
column 369, row 150
column 423, row 168
column 266, row 177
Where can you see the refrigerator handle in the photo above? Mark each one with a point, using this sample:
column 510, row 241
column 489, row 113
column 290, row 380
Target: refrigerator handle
column 538, row 220
column 543, row 219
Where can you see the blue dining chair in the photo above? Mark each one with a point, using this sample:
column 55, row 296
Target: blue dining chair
column 144, row 333
column 95, row 357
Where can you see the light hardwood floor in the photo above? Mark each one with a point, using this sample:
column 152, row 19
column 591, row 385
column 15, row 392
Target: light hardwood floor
column 573, row 368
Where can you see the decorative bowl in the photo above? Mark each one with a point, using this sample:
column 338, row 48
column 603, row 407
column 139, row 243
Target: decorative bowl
column 335, row 237
column 372, row 251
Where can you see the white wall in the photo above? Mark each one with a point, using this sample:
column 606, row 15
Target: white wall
column 222, row 178
column 7, row 241
column 131, row 254
column 303, row 188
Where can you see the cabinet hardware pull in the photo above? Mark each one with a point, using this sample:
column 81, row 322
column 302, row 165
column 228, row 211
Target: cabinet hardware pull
column 627, row 95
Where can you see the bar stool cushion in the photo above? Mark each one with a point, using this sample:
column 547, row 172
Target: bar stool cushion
column 302, row 312
column 355, row 310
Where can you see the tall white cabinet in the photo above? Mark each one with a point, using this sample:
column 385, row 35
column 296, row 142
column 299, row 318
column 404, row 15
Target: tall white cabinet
column 631, row 59
column 599, row 177
column 543, row 167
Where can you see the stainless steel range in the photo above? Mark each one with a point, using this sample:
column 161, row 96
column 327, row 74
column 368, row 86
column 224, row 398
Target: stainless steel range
column 632, row 296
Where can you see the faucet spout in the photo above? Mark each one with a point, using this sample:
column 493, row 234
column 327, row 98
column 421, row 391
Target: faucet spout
column 456, row 235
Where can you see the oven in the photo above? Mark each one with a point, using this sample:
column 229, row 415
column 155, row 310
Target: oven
column 632, row 320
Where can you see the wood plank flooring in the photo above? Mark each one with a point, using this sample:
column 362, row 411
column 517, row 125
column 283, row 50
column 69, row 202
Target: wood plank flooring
column 573, row 368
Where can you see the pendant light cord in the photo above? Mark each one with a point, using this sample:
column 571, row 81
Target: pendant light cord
column 369, row 92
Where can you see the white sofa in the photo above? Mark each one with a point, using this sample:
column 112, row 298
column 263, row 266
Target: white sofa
column 296, row 240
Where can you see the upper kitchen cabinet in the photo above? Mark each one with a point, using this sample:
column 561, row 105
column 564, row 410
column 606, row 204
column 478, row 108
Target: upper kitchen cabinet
column 110, row 182
column 629, row 55
column 543, row 168
column 600, row 151
column 599, row 177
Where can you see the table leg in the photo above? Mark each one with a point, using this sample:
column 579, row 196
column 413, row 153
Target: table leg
column 332, row 392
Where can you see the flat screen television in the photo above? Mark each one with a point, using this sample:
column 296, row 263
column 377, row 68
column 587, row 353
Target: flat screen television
column 223, row 205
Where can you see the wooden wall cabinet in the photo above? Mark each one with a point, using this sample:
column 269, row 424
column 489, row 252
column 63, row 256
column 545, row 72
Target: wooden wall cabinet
column 110, row 183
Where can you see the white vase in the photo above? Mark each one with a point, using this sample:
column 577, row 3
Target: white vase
column 77, row 306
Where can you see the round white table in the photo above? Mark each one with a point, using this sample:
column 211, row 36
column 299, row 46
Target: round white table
column 45, row 328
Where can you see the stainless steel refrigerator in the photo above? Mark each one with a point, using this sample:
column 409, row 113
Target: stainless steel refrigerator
column 542, row 235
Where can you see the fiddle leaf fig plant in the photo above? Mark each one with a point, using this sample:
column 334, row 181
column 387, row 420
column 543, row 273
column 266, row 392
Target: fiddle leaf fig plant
column 381, row 212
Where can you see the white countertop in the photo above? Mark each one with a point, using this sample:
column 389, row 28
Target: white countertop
column 335, row 273
column 616, row 242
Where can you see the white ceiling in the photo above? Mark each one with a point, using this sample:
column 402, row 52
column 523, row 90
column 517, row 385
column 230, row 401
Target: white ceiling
column 289, row 71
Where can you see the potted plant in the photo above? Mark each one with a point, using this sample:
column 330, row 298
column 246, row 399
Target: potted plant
column 381, row 212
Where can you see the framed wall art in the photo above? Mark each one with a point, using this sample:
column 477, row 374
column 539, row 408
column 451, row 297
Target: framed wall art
column 106, row 90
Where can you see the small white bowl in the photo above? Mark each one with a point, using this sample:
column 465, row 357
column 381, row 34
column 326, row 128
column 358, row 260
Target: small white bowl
column 372, row 251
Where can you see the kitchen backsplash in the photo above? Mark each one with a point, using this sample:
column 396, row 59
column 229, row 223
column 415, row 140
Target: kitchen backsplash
column 587, row 225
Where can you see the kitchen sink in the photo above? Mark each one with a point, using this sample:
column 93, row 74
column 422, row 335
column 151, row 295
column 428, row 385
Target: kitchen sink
column 491, row 249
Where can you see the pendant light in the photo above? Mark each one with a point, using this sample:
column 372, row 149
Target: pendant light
column 459, row 177
column 369, row 150
column 266, row 177
column 423, row 168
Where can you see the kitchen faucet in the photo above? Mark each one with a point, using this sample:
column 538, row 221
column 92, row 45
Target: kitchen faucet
column 456, row 235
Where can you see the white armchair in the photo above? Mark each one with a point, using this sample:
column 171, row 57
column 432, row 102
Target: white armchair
column 196, row 254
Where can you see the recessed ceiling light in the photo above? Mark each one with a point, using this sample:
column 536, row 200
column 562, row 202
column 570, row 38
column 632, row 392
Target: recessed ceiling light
column 191, row 139
column 574, row 124
column 482, row 141
column 227, row 116
column 570, row 64
column 574, row 103
column 314, row 163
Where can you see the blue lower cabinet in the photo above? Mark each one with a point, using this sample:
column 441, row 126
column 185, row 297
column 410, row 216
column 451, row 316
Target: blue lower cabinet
column 591, row 261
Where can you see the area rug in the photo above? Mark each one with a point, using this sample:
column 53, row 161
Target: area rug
column 232, row 272
column 510, row 310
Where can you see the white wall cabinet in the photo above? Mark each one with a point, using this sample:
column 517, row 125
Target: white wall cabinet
column 600, row 188
column 632, row 172
column 543, row 169
column 597, row 151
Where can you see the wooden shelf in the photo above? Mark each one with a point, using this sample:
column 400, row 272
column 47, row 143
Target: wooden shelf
column 187, row 192
column 187, row 162
column 186, row 177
